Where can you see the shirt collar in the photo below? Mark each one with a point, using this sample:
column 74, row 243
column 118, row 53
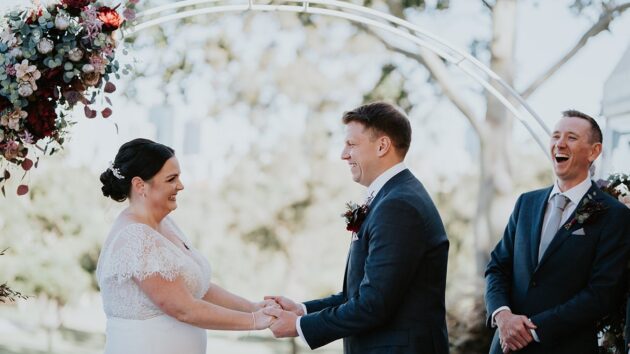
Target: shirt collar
column 576, row 193
column 380, row 181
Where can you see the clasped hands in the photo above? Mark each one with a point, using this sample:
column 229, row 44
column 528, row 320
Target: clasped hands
column 514, row 330
column 279, row 314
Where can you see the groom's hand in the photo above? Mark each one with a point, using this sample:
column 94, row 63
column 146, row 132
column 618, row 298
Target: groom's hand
column 284, row 325
column 287, row 304
column 514, row 330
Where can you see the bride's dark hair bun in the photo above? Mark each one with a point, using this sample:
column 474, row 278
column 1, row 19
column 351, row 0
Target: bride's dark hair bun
column 137, row 158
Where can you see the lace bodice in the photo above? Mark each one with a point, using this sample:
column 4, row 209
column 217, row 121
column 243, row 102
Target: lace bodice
column 134, row 250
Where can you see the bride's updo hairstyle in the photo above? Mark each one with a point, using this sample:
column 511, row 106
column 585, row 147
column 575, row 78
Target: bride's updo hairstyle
column 139, row 157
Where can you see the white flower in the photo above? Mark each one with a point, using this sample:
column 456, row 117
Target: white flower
column 625, row 199
column 88, row 68
column 25, row 89
column 622, row 189
column 75, row 54
column 62, row 21
column 7, row 37
column 45, row 46
column 27, row 74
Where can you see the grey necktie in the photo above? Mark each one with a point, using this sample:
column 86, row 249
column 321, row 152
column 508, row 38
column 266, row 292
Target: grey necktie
column 558, row 203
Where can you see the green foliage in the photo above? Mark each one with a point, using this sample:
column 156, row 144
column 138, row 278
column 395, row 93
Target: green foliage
column 8, row 294
column 53, row 233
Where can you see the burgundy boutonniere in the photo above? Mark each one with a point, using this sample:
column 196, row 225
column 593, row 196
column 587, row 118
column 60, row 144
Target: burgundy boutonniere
column 355, row 215
column 586, row 211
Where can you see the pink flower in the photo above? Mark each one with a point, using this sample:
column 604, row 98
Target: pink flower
column 91, row 24
column 129, row 14
column 11, row 71
column 99, row 63
column 11, row 150
column 110, row 18
column 13, row 118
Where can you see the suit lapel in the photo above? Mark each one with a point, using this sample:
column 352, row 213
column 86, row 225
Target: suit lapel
column 537, row 225
column 395, row 180
column 564, row 232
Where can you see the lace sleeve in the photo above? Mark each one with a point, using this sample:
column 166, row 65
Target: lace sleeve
column 137, row 252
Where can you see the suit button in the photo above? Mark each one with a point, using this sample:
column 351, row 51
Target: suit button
column 533, row 284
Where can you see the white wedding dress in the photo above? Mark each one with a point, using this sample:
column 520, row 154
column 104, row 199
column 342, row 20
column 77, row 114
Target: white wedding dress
column 135, row 325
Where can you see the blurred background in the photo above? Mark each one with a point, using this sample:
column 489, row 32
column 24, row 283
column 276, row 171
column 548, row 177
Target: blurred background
column 252, row 101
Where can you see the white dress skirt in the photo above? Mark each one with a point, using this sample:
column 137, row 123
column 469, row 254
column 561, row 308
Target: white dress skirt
column 135, row 325
column 157, row 335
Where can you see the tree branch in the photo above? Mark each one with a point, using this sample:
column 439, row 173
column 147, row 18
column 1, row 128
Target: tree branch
column 601, row 25
column 439, row 72
column 487, row 4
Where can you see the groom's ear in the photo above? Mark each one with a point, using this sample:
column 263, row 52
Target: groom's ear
column 384, row 145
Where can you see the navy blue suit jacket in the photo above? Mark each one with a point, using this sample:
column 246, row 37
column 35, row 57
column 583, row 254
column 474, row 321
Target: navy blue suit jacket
column 393, row 293
column 576, row 282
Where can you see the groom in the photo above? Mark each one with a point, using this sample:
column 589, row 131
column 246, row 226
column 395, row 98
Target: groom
column 559, row 266
column 393, row 293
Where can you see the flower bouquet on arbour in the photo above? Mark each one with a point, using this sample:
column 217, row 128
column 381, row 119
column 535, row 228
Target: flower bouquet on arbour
column 611, row 328
column 52, row 58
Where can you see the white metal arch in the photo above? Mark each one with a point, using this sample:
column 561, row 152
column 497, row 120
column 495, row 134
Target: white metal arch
column 370, row 17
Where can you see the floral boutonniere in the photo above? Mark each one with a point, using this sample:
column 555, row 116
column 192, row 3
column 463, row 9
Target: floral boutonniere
column 355, row 215
column 586, row 210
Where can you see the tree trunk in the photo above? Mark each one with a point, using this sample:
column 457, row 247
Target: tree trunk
column 495, row 172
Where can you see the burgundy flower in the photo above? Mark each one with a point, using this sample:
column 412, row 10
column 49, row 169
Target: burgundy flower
column 48, row 84
column 4, row 104
column 587, row 211
column 33, row 15
column 110, row 18
column 73, row 92
column 355, row 215
column 40, row 121
column 76, row 4
column 74, row 7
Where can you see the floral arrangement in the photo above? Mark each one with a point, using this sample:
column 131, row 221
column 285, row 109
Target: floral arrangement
column 8, row 294
column 52, row 58
column 618, row 186
column 355, row 215
column 611, row 328
column 589, row 208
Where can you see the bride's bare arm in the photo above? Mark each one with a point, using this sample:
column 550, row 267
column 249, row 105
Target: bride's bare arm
column 175, row 300
column 219, row 296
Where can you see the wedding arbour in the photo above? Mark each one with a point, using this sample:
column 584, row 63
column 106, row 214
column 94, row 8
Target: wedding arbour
column 399, row 28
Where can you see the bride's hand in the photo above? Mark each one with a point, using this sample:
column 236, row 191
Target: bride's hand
column 265, row 303
column 262, row 321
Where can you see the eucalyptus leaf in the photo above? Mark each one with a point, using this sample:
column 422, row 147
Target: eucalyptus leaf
column 25, row 30
column 68, row 66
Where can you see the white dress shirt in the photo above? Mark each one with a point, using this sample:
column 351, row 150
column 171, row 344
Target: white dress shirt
column 371, row 192
column 574, row 194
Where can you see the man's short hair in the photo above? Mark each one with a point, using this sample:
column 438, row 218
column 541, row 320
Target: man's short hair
column 596, row 132
column 383, row 119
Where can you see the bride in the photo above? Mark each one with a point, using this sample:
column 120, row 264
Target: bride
column 156, row 287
